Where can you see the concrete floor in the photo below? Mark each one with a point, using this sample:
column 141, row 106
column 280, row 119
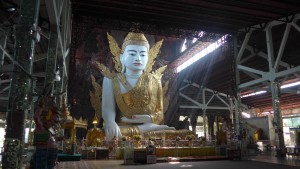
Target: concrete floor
column 223, row 164
column 261, row 161
column 270, row 157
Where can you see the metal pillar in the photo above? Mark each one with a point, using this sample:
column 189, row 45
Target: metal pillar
column 237, row 100
column 204, row 122
column 3, row 44
column 204, row 110
column 211, row 130
column 280, row 147
column 231, row 115
column 194, row 119
column 60, row 87
column 51, row 59
column 237, row 115
column 20, row 91
column 240, row 131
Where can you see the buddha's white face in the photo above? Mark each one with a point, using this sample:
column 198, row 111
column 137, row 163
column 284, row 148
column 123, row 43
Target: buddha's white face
column 135, row 58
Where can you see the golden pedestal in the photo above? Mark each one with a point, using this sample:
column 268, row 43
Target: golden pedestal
column 71, row 147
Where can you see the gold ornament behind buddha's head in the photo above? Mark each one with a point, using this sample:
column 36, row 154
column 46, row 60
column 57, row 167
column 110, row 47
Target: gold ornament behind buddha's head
column 135, row 39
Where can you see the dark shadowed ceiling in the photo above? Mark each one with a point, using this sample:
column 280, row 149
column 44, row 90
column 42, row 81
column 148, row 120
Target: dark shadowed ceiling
column 163, row 16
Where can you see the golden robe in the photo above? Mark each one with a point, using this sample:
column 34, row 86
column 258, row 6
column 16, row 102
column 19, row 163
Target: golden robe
column 145, row 98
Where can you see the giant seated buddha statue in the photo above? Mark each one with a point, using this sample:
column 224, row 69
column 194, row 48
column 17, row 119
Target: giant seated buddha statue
column 132, row 97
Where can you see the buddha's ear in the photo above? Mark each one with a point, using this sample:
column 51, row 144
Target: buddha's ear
column 121, row 58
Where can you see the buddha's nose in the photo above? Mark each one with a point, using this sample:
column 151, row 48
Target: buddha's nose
column 137, row 57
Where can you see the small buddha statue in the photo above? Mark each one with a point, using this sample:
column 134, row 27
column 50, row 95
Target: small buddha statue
column 95, row 136
column 135, row 90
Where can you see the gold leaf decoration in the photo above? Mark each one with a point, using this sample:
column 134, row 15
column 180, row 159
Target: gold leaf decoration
column 158, row 73
column 116, row 51
column 95, row 96
column 105, row 71
column 153, row 52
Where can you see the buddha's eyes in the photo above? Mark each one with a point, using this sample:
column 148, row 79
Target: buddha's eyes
column 132, row 53
column 142, row 54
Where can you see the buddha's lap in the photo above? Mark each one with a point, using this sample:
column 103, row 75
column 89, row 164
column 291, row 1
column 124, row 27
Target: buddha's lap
column 167, row 134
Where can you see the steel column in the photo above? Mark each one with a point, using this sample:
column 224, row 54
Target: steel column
column 204, row 110
column 211, row 130
column 237, row 115
column 3, row 44
column 280, row 146
column 51, row 59
column 60, row 86
column 204, row 122
column 21, row 90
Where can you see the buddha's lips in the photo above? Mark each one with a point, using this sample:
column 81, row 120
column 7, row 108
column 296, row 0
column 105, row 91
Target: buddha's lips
column 138, row 64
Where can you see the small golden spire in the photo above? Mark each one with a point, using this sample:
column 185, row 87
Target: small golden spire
column 95, row 120
column 65, row 112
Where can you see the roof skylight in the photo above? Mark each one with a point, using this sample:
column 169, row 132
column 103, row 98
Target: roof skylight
column 202, row 53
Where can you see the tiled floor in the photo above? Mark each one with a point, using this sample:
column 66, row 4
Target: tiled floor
column 270, row 157
column 261, row 161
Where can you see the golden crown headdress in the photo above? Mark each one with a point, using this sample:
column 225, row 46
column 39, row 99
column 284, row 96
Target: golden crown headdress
column 132, row 39
column 135, row 39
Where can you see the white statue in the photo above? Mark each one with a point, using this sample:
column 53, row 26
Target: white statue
column 136, row 91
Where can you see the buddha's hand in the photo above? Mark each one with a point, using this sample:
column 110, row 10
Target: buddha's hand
column 137, row 119
column 153, row 127
column 112, row 129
